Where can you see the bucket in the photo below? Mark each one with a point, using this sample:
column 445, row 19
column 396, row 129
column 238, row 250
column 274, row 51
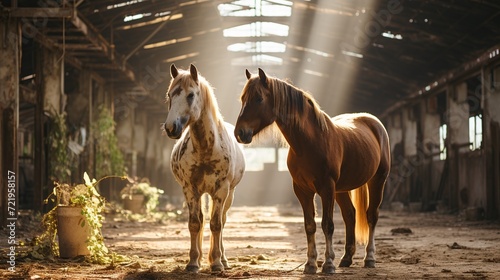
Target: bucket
column 134, row 203
column 72, row 236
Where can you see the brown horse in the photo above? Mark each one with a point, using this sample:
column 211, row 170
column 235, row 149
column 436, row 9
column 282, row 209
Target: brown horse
column 346, row 158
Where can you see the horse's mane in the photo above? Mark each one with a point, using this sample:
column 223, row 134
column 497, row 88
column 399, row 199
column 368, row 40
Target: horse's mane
column 206, row 90
column 288, row 100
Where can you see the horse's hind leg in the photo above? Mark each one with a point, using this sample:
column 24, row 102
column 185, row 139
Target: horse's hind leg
column 216, row 226
column 376, row 190
column 195, row 225
column 349, row 217
column 306, row 199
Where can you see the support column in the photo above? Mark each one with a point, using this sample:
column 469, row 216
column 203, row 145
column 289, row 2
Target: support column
column 10, row 54
column 40, row 161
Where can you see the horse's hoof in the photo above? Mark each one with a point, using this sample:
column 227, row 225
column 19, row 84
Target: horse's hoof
column 217, row 268
column 310, row 269
column 226, row 265
column 370, row 264
column 345, row 263
column 192, row 268
column 328, row 269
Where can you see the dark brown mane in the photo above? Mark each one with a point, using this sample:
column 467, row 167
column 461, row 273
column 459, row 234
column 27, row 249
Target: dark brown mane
column 290, row 101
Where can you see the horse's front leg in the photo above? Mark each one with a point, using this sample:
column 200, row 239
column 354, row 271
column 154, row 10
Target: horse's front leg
column 227, row 205
column 195, row 225
column 328, row 201
column 306, row 199
column 216, row 227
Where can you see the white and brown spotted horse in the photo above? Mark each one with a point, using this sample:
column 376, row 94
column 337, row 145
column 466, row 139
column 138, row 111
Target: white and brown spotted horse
column 205, row 159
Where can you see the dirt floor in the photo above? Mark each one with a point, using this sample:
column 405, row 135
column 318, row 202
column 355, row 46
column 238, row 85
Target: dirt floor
column 269, row 243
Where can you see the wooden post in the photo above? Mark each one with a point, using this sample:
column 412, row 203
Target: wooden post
column 10, row 50
column 39, row 135
column 491, row 208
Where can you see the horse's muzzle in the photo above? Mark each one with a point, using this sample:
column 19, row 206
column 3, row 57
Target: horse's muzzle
column 175, row 131
column 243, row 135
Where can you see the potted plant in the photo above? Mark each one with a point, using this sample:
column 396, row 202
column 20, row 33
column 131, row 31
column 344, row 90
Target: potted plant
column 140, row 196
column 78, row 213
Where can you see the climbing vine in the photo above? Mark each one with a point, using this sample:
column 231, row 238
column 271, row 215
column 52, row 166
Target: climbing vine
column 108, row 156
column 58, row 156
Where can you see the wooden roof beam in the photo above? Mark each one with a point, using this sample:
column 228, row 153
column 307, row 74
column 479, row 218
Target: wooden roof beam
column 58, row 12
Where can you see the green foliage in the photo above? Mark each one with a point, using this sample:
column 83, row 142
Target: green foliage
column 151, row 194
column 92, row 204
column 58, row 155
column 108, row 157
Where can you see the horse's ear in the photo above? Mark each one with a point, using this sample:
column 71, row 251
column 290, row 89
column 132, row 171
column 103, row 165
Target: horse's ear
column 173, row 71
column 263, row 77
column 248, row 74
column 194, row 72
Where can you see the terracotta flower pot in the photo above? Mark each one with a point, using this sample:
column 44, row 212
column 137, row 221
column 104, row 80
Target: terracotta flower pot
column 134, row 203
column 72, row 236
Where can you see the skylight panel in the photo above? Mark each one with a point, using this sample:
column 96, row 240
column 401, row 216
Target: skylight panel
column 264, row 46
column 153, row 21
column 123, row 4
column 135, row 17
column 257, row 29
column 391, row 35
column 246, row 8
column 257, row 60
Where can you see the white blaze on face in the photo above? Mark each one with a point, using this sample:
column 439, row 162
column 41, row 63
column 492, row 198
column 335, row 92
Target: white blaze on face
column 243, row 106
column 175, row 108
column 185, row 107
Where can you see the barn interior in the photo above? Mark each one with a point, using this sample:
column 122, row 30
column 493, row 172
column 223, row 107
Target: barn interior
column 430, row 70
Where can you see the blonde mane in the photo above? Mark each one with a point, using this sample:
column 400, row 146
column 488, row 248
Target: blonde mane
column 289, row 99
column 206, row 90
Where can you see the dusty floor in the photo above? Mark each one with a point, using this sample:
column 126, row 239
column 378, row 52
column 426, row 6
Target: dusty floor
column 269, row 243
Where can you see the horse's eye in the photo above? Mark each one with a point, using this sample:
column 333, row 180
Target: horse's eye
column 259, row 99
column 190, row 95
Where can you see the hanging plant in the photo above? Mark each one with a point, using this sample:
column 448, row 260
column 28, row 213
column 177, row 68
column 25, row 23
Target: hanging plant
column 108, row 156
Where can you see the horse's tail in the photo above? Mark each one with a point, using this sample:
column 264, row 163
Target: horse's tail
column 360, row 199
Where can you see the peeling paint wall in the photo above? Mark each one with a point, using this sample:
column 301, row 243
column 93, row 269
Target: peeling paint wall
column 52, row 81
column 494, row 97
column 430, row 131
column 459, row 116
column 410, row 131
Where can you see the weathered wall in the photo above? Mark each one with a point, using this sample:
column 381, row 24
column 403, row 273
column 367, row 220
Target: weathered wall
column 466, row 178
column 52, row 82
column 430, row 123
column 410, row 131
column 472, row 180
column 459, row 116
column 494, row 96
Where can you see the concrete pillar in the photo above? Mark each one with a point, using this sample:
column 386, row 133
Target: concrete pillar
column 10, row 54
